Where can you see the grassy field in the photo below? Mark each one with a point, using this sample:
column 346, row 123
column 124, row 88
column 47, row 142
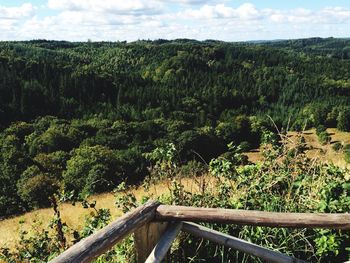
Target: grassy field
column 74, row 215
column 324, row 153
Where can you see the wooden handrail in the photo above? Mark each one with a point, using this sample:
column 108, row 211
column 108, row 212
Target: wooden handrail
column 238, row 244
column 93, row 246
column 253, row 218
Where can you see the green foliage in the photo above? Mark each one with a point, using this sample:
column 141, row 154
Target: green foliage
column 269, row 137
column 12, row 163
column 344, row 120
column 163, row 155
column 42, row 245
column 337, row 146
column 94, row 222
column 221, row 167
column 225, row 165
column 284, row 185
column 245, row 146
column 132, row 98
column 92, row 169
column 200, row 82
column 327, row 243
column 117, row 102
column 347, row 153
column 320, row 129
column 324, row 137
column 36, row 188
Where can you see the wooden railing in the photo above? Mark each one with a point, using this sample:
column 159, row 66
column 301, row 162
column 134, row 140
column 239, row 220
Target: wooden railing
column 156, row 226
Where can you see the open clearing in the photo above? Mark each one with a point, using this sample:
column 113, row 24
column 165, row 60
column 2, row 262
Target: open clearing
column 74, row 216
column 324, row 153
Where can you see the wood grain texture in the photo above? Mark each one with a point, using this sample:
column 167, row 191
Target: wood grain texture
column 162, row 247
column 238, row 244
column 146, row 237
column 98, row 243
column 254, row 218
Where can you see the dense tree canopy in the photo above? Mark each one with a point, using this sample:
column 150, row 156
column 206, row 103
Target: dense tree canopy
column 82, row 116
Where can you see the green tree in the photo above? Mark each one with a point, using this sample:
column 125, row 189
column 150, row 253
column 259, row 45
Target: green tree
column 36, row 188
column 343, row 120
column 92, row 169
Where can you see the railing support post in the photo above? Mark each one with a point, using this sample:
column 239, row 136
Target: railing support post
column 146, row 237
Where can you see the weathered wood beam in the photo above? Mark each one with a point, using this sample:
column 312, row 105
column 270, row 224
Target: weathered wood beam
column 238, row 244
column 95, row 245
column 254, row 218
column 161, row 249
column 146, row 237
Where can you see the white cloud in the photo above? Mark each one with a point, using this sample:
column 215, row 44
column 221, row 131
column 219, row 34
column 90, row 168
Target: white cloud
column 11, row 17
column 326, row 16
column 24, row 10
column 245, row 11
column 107, row 6
column 152, row 19
column 190, row 2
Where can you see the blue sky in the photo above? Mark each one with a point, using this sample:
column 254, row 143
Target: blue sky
column 230, row 20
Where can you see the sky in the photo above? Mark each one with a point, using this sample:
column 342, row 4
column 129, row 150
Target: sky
column 119, row 20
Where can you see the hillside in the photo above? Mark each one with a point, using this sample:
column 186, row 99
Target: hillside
column 197, row 81
column 330, row 47
column 75, row 215
column 71, row 109
column 280, row 182
column 81, row 119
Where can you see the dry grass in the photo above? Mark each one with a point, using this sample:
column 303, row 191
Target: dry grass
column 72, row 215
column 75, row 215
column 324, row 153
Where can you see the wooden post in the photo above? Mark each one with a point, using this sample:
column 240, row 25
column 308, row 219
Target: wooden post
column 238, row 244
column 162, row 247
column 146, row 237
column 96, row 244
column 253, row 218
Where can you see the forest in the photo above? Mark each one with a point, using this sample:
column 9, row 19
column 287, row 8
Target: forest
column 83, row 117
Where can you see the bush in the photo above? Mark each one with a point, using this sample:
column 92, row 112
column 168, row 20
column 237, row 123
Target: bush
column 244, row 146
column 347, row 153
column 324, row 138
column 337, row 146
column 343, row 120
column 36, row 188
column 55, row 138
column 320, row 129
column 92, row 169
column 270, row 186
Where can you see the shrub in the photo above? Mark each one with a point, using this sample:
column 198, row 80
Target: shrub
column 244, row 146
column 343, row 120
column 92, row 169
column 36, row 188
column 337, row 146
column 320, row 129
column 324, row 138
column 347, row 153
column 283, row 184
